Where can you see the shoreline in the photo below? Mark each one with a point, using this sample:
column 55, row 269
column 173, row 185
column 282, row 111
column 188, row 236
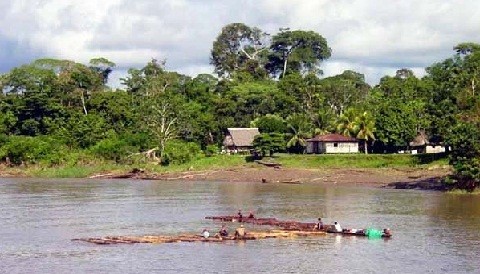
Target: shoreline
column 407, row 178
column 389, row 177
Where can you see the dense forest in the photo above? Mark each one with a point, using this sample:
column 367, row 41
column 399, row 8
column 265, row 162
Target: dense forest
column 60, row 112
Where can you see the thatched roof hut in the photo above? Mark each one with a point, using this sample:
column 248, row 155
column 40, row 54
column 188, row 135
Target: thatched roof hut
column 240, row 139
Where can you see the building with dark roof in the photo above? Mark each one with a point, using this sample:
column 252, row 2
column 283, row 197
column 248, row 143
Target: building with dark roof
column 332, row 143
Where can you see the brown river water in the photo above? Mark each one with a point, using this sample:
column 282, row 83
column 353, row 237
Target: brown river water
column 433, row 232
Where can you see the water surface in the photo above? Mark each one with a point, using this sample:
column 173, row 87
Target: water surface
column 433, row 232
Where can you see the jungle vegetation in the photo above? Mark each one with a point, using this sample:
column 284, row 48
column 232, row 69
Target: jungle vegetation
column 60, row 112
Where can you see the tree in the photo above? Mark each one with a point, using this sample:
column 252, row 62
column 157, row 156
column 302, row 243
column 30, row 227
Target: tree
column 465, row 157
column 238, row 46
column 298, row 130
column 103, row 67
column 297, row 51
column 364, row 127
column 399, row 109
column 269, row 123
column 344, row 90
column 29, row 78
column 346, row 123
column 269, row 142
column 154, row 79
column 162, row 120
column 453, row 90
column 247, row 101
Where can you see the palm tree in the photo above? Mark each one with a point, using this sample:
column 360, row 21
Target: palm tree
column 346, row 123
column 364, row 126
column 298, row 127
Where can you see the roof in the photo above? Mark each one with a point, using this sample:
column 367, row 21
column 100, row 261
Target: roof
column 333, row 137
column 420, row 140
column 240, row 137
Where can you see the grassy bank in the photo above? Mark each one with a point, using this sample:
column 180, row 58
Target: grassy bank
column 83, row 171
column 233, row 161
column 362, row 160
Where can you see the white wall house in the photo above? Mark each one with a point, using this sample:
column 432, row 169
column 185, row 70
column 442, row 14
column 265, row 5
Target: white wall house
column 332, row 143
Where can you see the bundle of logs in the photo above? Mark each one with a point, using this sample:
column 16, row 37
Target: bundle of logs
column 253, row 235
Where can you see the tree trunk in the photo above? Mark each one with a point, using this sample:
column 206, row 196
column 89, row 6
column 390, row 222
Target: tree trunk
column 83, row 102
column 365, row 146
column 284, row 67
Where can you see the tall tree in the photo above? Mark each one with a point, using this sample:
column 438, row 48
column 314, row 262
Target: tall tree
column 103, row 67
column 237, row 47
column 161, row 118
column 345, row 90
column 297, row 51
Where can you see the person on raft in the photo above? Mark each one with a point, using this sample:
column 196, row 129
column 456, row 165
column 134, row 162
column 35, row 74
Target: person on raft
column 240, row 215
column 205, row 233
column 319, row 225
column 223, row 231
column 240, row 232
column 387, row 232
column 337, row 227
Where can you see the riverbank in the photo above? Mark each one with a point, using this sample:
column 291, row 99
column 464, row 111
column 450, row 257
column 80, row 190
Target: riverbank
column 386, row 177
column 395, row 171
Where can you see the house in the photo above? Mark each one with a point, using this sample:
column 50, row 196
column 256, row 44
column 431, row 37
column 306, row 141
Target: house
column 239, row 139
column 332, row 143
column 421, row 144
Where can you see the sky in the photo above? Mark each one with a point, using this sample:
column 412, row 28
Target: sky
column 372, row 37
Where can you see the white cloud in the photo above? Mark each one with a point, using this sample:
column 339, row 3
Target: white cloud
column 372, row 37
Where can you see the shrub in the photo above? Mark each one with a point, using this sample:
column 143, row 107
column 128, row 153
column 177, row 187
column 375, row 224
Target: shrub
column 112, row 149
column 23, row 149
column 211, row 150
column 179, row 152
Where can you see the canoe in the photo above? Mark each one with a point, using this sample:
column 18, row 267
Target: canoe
column 358, row 233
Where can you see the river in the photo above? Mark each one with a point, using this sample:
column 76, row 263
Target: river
column 433, row 232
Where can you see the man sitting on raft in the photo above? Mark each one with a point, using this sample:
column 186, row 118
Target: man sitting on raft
column 205, row 233
column 337, row 227
column 240, row 232
column 223, row 231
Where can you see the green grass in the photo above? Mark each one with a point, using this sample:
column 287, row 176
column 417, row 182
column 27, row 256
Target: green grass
column 83, row 171
column 203, row 163
column 68, row 171
column 360, row 160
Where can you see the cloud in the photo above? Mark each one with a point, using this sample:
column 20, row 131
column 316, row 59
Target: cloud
column 372, row 37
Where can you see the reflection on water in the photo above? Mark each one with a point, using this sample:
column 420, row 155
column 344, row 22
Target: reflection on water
column 433, row 232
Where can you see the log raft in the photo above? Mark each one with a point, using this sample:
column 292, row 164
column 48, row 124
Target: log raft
column 285, row 225
column 253, row 235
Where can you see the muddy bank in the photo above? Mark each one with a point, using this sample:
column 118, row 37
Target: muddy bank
column 388, row 177
column 431, row 183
